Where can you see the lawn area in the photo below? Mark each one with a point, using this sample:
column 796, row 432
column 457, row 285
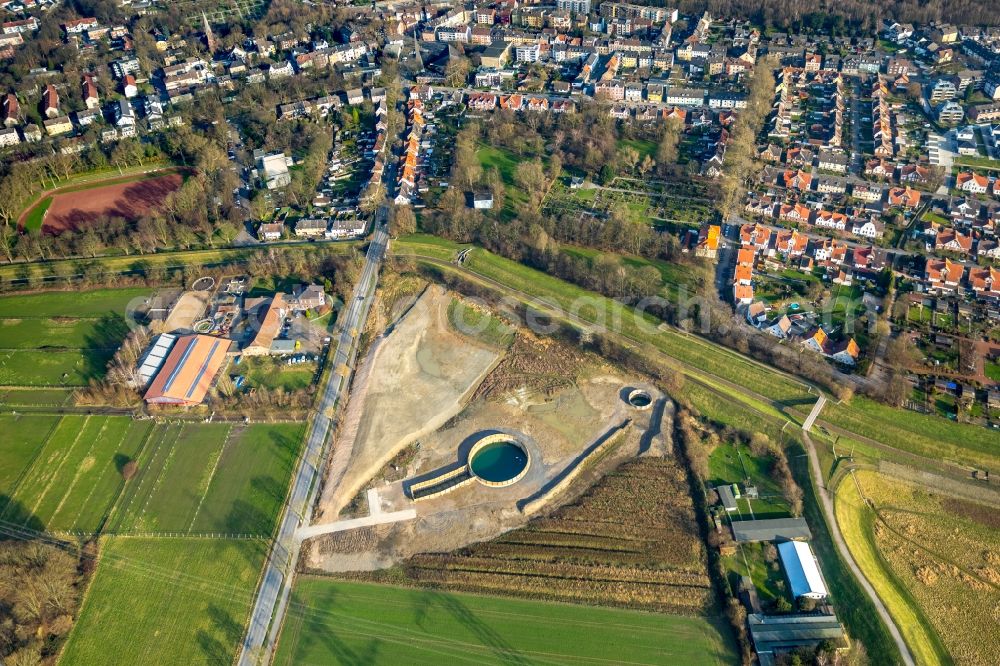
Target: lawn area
column 731, row 463
column 166, row 601
column 332, row 622
column 992, row 370
column 922, row 434
column 76, row 476
column 643, row 147
column 210, row 478
column 856, row 521
column 272, row 372
column 769, row 580
column 33, row 221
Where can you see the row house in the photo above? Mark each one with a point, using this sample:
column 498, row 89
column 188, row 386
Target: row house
column 867, row 192
column 482, row 101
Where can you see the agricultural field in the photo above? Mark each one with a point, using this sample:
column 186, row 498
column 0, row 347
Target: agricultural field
column 70, row 469
column 933, row 559
column 209, row 478
column 166, row 601
column 61, row 339
column 333, row 622
column 631, row 540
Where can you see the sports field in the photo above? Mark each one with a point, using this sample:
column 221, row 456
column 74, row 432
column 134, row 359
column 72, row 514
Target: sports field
column 332, row 622
column 166, row 601
column 75, row 206
column 61, row 338
column 210, row 478
column 66, row 471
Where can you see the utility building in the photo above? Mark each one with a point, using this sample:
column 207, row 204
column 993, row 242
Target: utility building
column 802, row 570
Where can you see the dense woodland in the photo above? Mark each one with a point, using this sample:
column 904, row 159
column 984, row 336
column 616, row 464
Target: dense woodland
column 40, row 591
column 857, row 17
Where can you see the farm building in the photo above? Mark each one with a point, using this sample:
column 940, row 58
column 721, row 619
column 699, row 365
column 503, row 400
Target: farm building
column 727, row 498
column 774, row 529
column 802, row 570
column 155, row 356
column 269, row 326
column 782, row 633
column 188, row 371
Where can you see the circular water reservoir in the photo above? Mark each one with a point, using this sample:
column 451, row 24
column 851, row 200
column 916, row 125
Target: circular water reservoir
column 498, row 462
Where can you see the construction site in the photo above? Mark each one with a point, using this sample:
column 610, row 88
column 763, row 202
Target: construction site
column 467, row 432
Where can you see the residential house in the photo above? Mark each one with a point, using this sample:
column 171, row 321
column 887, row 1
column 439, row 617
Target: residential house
column 90, row 97
column 973, row 183
column 50, row 102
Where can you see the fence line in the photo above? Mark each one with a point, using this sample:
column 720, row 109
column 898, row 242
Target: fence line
column 63, row 534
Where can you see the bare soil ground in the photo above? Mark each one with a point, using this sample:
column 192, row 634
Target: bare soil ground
column 131, row 200
column 411, row 383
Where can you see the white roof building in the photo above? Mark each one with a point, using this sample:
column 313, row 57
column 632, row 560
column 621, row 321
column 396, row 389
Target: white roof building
column 155, row 357
column 802, row 570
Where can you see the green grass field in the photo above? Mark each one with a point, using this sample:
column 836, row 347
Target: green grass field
column 922, row 434
column 205, row 478
column 730, row 463
column 166, row 601
column 272, row 372
column 40, row 397
column 36, row 216
column 71, row 482
column 93, row 303
column 61, row 338
column 23, row 436
column 331, row 622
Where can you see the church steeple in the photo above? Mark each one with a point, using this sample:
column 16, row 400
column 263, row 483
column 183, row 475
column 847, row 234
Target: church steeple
column 209, row 35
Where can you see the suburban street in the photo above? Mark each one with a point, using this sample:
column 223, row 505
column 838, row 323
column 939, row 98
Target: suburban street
column 279, row 572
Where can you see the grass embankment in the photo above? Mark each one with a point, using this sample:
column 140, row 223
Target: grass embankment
column 853, row 605
column 351, row 623
column 166, row 601
column 137, row 263
column 856, row 521
column 920, row 434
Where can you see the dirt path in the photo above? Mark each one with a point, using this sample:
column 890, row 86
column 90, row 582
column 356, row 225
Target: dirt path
column 411, row 383
column 826, row 503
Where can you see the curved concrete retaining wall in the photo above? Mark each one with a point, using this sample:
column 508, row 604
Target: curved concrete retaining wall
column 496, row 439
column 611, row 440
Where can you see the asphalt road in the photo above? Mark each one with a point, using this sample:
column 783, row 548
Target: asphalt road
column 272, row 596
